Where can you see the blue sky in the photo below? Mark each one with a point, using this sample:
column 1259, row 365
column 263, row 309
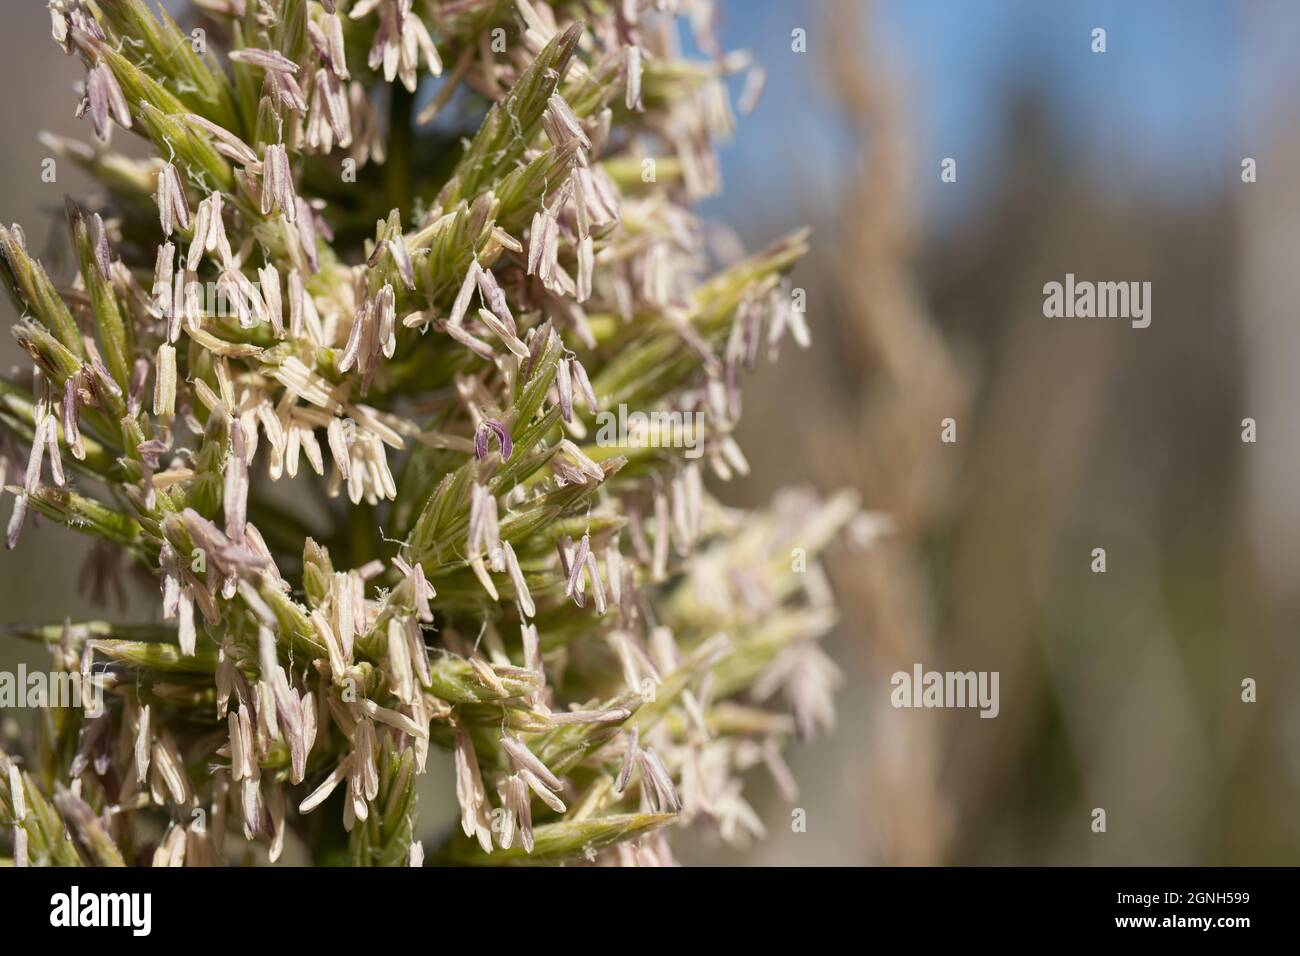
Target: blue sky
column 1171, row 106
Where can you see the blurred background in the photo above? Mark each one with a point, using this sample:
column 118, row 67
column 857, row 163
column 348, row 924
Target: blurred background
column 1119, row 690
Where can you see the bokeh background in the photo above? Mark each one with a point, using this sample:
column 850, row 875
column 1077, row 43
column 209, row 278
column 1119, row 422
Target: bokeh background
column 1119, row 690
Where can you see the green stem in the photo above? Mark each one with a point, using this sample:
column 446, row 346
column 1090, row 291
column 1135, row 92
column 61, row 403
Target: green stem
column 397, row 165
